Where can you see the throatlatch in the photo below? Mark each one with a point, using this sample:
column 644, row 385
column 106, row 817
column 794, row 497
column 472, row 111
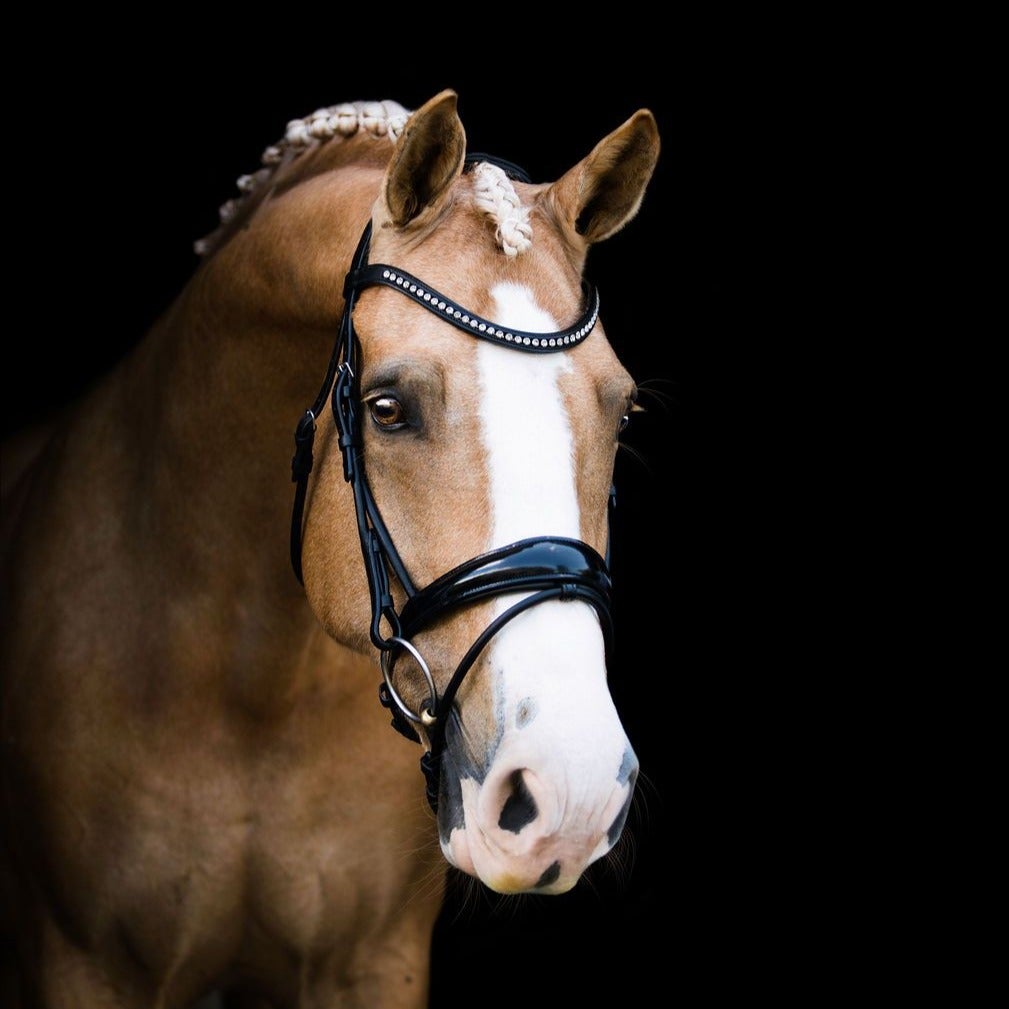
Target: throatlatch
column 548, row 567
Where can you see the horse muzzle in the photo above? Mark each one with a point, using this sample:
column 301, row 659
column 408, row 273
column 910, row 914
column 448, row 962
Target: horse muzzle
column 529, row 828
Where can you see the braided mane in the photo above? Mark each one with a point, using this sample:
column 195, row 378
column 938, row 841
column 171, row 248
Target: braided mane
column 494, row 193
column 380, row 119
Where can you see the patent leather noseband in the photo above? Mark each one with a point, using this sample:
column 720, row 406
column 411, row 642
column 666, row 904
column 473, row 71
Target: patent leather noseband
column 544, row 568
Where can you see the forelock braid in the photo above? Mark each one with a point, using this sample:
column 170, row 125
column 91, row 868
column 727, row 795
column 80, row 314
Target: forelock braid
column 495, row 195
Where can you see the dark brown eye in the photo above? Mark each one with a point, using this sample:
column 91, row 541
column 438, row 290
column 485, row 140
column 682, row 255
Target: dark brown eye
column 387, row 412
column 632, row 407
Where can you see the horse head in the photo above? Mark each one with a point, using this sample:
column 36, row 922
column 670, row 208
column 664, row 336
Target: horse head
column 472, row 438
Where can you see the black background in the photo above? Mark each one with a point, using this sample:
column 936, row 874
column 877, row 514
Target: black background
column 119, row 174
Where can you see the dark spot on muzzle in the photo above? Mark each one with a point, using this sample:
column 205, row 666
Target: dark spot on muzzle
column 520, row 809
column 525, row 712
column 457, row 764
column 617, row 826
column 627, row 774
column 550, row 876
column 628, row 770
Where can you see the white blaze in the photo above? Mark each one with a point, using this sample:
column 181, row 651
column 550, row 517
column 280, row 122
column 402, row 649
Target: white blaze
column 559, row 727
column 526, row 429
column 553, row 653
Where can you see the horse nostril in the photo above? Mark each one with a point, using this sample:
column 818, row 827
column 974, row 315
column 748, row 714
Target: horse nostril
column 520, row 808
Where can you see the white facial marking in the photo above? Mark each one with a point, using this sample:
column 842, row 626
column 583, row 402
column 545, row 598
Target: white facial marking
column 559, row 728
column 526, row 429
column 531, row 464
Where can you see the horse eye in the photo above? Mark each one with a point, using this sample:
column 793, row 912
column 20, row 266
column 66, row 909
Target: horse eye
column 387, row 412
column 624, row 421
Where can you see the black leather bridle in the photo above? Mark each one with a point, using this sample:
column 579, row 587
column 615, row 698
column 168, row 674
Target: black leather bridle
column 548, row 567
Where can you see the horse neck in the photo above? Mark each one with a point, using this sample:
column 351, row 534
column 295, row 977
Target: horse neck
column 210, row 402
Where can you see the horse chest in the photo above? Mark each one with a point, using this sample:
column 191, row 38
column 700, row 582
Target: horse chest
column 238, row 838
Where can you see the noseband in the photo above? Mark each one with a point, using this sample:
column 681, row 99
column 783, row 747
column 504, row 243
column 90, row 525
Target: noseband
column 547, row 567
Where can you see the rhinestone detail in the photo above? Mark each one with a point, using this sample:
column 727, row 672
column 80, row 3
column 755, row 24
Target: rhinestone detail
column 472, row 323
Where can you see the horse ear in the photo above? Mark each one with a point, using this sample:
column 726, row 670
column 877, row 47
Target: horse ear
column 428, row 157
column 603, row 192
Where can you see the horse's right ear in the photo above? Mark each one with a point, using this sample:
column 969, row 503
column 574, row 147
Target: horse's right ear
column 428, row 158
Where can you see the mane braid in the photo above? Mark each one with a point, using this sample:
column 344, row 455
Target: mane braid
column 380, row 119
column 493, row 192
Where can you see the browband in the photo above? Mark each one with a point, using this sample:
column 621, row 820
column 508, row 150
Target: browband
column 452, row 312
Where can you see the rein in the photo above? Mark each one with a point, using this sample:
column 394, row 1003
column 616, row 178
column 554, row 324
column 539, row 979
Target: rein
column 548, row 567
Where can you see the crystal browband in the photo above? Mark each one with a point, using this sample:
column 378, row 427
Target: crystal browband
column 450, row 311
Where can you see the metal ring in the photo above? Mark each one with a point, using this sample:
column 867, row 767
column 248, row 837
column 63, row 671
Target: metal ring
column 427, row 716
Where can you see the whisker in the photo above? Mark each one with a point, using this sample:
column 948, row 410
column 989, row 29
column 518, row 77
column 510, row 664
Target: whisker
column 659, row 392
column 637, row 455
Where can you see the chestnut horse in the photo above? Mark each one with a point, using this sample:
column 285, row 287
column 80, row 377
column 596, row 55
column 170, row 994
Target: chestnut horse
column 200, row 789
